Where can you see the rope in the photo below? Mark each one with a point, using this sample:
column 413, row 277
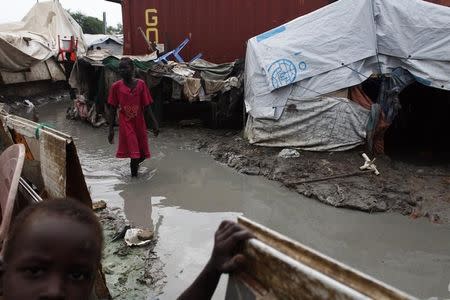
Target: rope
column 356, row 71
column 42, row 126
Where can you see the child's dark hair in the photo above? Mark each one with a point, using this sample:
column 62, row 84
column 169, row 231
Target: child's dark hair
column 70, row 208
column 127, row 61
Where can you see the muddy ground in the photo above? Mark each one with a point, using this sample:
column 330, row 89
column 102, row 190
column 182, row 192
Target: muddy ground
column 131, row 272
column 415, row 191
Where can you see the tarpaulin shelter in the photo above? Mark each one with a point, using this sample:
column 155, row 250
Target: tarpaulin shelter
column 292, row 69
column 111, row 43
column 196, row 90
column 38, row 37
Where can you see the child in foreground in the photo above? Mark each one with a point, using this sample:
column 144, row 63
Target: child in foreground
column 55, row 248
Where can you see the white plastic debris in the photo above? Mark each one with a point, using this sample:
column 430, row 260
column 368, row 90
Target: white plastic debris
column 289, row 153
column 137, row 237
column 30, row 105
column 369, row 164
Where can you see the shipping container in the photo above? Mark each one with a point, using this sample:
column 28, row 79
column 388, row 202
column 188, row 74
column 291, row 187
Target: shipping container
column 441, row 2
column 219, row 29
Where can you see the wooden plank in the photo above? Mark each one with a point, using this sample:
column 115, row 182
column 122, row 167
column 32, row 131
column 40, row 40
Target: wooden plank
column 53, row 164
column 46, row 70
column 38, row 72
column 290, row 270
column 13, row 77
column 56, row 71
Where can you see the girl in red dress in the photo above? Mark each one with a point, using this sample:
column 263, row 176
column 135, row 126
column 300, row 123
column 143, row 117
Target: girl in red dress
column 132, row 97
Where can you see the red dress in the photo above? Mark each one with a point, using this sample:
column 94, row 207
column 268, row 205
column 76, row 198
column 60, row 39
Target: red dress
column 133, row 140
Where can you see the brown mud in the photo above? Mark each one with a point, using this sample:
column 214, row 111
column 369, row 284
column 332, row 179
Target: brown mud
column 410, row 190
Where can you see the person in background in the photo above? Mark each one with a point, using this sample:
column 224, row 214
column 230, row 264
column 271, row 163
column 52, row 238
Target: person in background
column 54, row 250
column 132, row 97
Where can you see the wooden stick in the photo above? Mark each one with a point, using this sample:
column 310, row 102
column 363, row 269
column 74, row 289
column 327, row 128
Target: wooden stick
column 149, row 44
column 332, row 177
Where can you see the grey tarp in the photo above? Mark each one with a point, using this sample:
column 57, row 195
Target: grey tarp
column 339, row 46
column 210, row 71
column 328, row 124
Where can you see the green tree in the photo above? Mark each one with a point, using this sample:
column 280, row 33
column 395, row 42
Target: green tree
column 90, row 25
column 115, row 30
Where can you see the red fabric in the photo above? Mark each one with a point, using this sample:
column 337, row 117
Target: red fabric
column 357, row 94
column 133, row 139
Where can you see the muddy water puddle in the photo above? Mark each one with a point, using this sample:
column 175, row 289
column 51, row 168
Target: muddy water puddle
column 184, row 195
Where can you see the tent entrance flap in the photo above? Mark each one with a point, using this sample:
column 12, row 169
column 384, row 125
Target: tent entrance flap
column 419, row 133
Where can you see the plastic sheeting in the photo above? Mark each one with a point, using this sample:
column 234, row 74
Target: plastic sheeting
column 336, row 35
column 35, row 38
column 326, row 124
column 413, row 29
column 341, row 45
column 211, row 71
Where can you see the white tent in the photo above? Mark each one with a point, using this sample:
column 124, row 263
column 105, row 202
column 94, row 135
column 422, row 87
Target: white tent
column 35, row 39
column 336, row 47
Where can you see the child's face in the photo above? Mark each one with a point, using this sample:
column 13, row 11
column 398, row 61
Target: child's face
column 53, row 257
column 125, row 71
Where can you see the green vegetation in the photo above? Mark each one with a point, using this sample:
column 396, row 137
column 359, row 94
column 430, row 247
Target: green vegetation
column 92, row 25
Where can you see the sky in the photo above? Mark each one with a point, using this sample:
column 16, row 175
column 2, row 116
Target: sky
column 18, row 9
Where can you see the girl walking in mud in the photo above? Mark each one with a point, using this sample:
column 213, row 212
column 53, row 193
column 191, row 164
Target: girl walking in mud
column 132, row 97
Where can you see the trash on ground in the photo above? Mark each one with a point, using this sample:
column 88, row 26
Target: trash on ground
column 138, row 237
column 369, row 165
column 99, row 205
column 289, row 153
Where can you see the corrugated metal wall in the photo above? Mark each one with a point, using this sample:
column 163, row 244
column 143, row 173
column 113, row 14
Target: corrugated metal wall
column 217, row 28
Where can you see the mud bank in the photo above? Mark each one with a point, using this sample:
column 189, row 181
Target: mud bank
column 131, row 272
column 410, row 190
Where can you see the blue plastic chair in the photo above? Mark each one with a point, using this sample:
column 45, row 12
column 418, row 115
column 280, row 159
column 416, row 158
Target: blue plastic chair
column 176, row 53
column 198, row 56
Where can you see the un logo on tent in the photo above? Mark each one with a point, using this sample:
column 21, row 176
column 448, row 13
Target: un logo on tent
column 283, row 73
